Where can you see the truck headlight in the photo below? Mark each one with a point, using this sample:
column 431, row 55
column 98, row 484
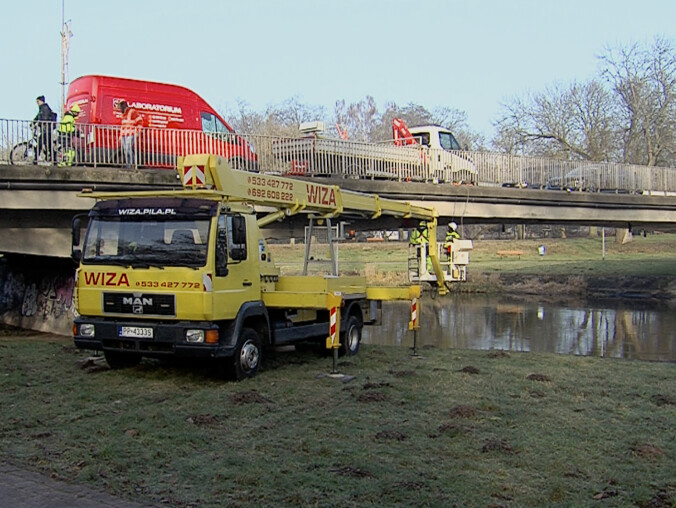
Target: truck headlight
column 194, row 335
column 87, row 330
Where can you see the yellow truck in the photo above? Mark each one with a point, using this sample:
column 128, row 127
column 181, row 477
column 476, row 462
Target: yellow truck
column 188, row 273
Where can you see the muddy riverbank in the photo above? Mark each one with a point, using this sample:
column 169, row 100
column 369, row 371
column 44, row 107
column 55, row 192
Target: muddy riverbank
column 564, row 286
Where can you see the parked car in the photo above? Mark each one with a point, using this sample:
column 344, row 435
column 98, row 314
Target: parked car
column 594, row 178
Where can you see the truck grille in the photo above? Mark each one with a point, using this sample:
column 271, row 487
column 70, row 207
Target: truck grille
column 139, row 304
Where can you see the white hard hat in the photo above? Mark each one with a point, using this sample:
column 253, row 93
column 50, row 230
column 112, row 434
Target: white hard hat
column 452, row 225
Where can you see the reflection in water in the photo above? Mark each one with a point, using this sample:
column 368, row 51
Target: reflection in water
column 616, row 329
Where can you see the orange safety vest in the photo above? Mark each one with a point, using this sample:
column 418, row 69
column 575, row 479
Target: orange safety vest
column 131, row 122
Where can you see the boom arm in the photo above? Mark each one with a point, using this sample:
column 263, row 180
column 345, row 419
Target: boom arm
column 290, row 196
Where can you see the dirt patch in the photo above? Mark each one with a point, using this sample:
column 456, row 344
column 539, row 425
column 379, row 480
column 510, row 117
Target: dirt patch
column 206, row 420
column 663, row 400
column 251, row 397
column 452, row 429
column 648, row 451
column 469, row 369
column 496, row 445
column 462, row 412
column 663, row 499
column 498, row 354
column 375, row 386
column 410, row 485
column 402, row 373
column 372, row 397
column 93, row 364
column 391, row 435
column 543, row 378
column 352, row 472
column 558, row 287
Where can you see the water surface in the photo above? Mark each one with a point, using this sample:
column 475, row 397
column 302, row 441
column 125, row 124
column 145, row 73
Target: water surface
column 620, row 329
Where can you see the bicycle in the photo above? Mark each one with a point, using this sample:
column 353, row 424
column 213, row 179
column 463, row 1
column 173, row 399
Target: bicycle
column 23, row 153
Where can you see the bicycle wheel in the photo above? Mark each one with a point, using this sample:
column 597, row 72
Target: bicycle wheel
column 21, row 154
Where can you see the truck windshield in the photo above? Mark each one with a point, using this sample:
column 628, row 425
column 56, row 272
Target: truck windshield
column 448, row 141
column 175, row 242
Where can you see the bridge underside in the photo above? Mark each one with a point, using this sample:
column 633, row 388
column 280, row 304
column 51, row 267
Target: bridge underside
column 37, row 205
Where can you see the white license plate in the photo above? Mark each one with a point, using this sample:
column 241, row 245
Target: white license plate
column 137, row 332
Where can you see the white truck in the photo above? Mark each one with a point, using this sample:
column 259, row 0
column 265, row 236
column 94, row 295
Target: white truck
column 425, row 153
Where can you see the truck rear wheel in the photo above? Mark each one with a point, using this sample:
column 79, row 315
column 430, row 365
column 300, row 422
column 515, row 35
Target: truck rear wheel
column 118, row 360
column 248, row 355
column 351, row 337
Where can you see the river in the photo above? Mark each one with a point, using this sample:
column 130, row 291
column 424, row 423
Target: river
column 618, row 329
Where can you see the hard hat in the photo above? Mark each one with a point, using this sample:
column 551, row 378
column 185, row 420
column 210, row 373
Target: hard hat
column 75, row 108
column 452, row 225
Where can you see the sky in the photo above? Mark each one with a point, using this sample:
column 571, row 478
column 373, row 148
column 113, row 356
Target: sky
column 462, row 54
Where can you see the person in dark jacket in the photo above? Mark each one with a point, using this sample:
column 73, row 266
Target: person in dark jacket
column 44, row 122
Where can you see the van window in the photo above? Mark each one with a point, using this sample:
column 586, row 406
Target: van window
column 423, row 138
column 211, row 123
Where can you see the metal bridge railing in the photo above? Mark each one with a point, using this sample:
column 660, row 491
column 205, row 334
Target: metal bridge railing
column 315, row 156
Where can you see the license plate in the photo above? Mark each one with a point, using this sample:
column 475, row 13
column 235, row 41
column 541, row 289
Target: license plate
column 137, row 332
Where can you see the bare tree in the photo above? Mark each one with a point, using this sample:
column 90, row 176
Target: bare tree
column 575, row 122
column 276, row 120
column 644, row 79
column 358, row 118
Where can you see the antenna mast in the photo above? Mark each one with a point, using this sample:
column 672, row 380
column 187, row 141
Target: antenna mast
column 66, row 34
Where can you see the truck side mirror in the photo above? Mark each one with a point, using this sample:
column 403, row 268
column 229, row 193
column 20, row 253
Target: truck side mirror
column 76, row 226
column 221, row 253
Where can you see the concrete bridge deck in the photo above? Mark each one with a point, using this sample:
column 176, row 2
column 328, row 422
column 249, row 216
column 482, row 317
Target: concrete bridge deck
column 38, row 203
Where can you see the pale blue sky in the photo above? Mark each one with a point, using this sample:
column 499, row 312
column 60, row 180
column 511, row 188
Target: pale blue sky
column 469, row 55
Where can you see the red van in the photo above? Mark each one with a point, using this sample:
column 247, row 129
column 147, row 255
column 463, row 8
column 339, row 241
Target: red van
column 176, row 121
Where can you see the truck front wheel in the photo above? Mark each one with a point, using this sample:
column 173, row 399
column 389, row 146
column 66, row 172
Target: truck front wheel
column 248, row 354
column 350, row 339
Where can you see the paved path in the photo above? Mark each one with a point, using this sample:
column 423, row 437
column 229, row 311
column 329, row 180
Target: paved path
column 20, row 488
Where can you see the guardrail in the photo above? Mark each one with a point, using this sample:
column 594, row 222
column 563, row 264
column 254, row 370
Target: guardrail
column 103, row 146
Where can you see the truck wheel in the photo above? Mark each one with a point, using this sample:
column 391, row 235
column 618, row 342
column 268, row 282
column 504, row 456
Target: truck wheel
column 248, row 354
column 351, row 337
column 121, row 360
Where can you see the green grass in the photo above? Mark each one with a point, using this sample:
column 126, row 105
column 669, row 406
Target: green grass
column 405, row 432
column 650, row 256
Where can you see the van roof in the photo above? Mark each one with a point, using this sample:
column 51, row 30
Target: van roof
column 132, row 80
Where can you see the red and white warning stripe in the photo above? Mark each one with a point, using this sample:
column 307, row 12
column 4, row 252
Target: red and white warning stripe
column 206, row 282
column 414, row 313
column 194, row 176
column 332, row 323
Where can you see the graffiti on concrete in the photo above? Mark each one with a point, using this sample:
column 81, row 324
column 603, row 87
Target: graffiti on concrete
column 42, row 293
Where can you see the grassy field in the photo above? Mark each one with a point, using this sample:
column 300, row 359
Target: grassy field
column 653, row 255
column 453, row 428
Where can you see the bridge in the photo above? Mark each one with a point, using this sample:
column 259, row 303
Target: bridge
column 38, row 199
column 39, row 202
